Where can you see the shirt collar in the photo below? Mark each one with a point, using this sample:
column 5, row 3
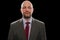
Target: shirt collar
column 24, row 21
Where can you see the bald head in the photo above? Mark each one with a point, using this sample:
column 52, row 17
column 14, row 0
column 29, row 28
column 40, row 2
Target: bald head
column 26, row 9
column 26, row 2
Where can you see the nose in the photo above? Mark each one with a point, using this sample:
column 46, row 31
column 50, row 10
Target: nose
column 27, row 9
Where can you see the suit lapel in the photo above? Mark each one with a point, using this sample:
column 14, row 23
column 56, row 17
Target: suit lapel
column 34, row 30
column 21, row 29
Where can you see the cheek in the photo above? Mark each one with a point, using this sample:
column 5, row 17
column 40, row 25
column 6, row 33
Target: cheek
column 22, row 10
column 31, row 10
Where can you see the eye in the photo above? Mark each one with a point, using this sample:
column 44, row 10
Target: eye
column 24, row 7
column 29, row 7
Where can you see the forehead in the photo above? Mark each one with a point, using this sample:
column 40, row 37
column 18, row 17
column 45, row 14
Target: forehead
column 26, row 3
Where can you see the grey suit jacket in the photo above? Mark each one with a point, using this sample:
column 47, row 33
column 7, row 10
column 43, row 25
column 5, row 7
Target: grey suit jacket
column 16, row 31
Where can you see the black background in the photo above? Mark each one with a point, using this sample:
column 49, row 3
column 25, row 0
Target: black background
column 13, row 12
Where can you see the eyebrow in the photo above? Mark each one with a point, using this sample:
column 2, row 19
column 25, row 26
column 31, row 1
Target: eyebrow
column 28, row 6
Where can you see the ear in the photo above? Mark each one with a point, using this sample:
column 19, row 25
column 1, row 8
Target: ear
column 20, row 9
column 33, row 9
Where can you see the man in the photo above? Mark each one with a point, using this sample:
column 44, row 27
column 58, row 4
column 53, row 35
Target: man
column 27, row 28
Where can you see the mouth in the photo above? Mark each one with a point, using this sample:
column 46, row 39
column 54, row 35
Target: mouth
column 27, row 12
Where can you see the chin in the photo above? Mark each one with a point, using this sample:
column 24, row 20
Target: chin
column 27, row 17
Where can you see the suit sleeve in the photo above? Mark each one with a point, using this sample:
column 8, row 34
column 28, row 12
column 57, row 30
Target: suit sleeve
column 43, row 32
column 11, row 34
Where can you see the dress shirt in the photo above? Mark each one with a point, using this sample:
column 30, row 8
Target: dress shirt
column 24, row 22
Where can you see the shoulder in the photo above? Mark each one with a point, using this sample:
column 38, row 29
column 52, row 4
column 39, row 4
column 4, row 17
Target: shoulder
column 38, row 21
column 19, row 20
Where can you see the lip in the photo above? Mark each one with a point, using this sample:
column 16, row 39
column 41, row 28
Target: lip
column 26, row 12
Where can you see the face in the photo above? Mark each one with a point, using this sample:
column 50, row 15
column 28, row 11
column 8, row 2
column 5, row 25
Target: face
column 27, row 9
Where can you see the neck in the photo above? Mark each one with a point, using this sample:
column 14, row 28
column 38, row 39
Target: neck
column 27, row 19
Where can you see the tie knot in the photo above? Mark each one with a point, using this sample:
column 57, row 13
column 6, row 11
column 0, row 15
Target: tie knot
column 27, row 22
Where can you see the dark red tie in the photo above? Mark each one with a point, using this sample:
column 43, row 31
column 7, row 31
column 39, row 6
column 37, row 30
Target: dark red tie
column 27, row 29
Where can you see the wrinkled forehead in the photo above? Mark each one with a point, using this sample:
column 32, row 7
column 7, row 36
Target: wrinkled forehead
column 26, row 3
